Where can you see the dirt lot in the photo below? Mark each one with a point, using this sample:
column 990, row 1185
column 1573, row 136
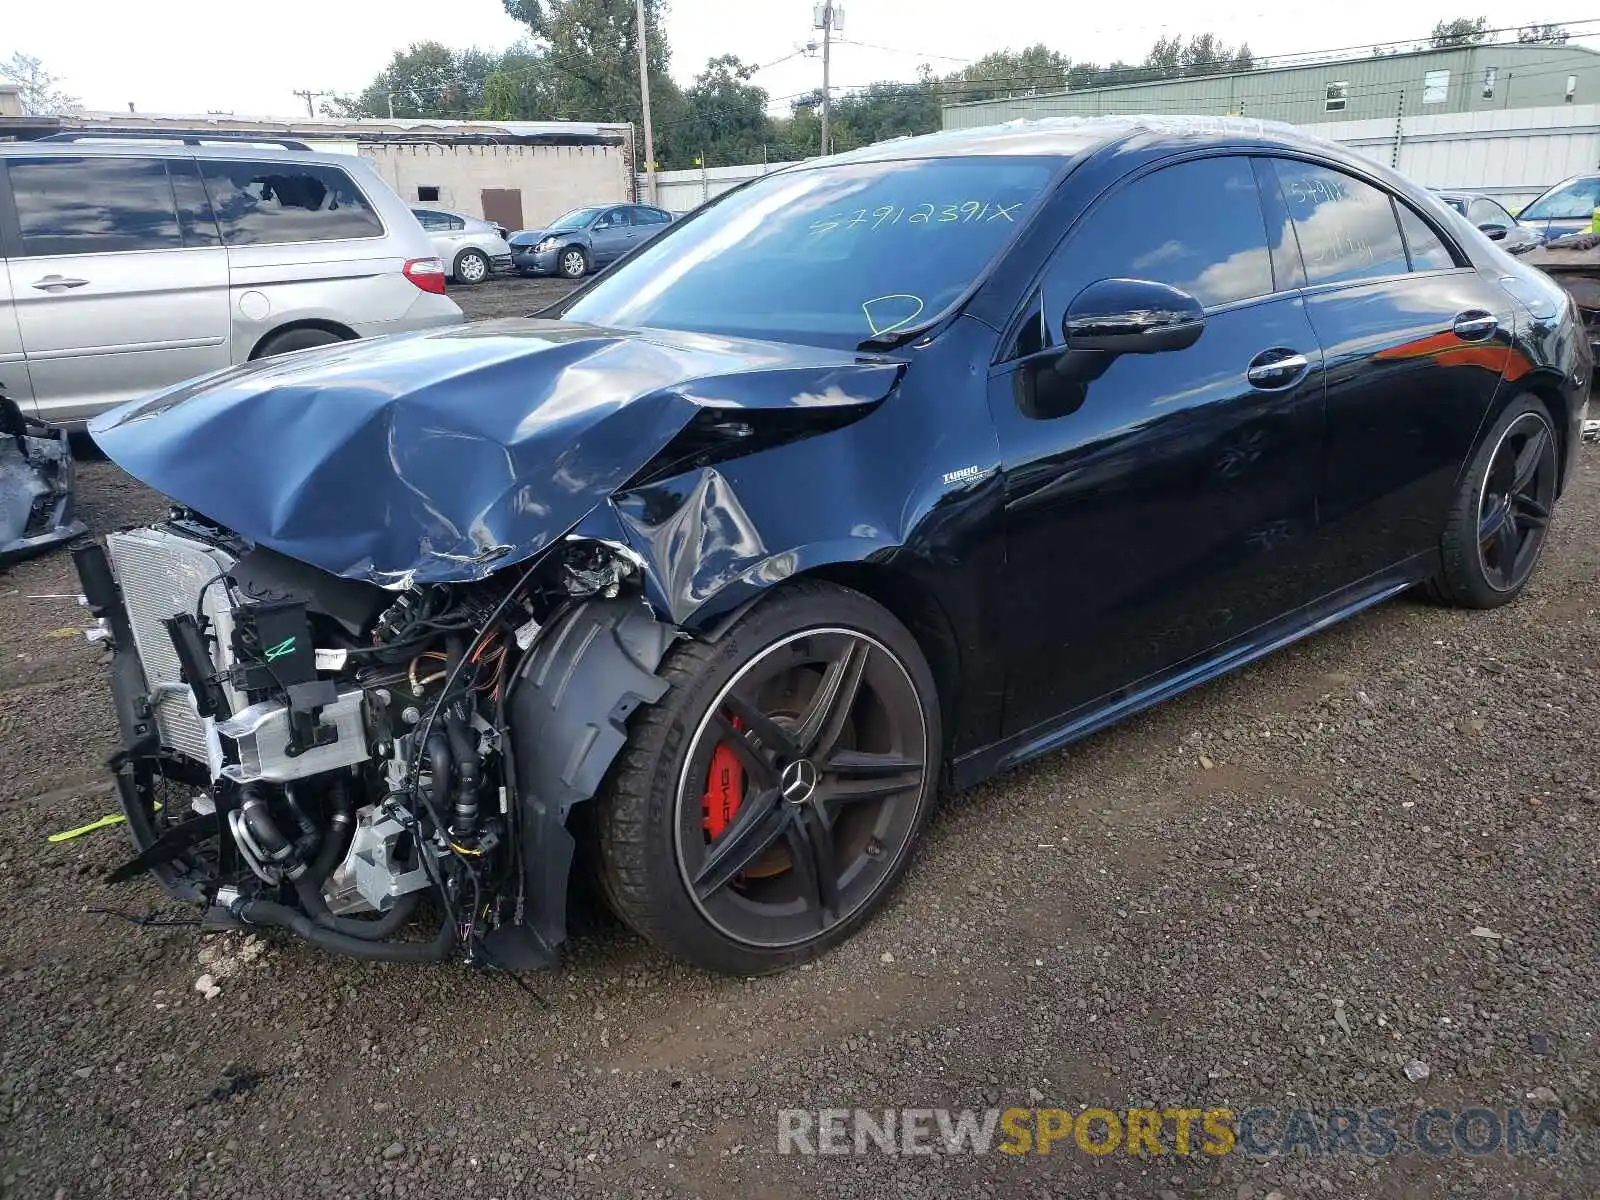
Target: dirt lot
column 1264, row 892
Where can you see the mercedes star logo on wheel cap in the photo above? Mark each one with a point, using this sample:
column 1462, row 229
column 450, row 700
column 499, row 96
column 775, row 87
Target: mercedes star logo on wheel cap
column 798, row 781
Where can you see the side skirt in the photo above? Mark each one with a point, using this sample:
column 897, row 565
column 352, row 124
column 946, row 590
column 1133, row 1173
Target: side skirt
column 979, row 765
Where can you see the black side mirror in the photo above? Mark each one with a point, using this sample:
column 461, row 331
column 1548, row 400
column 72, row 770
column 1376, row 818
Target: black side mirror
column 1132, row 316
column 1495, row 233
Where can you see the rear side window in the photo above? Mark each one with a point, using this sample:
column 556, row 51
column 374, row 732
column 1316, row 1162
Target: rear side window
column 1428, row 252
column 649, row 216
column 1487, row 212
column 266, row 203
column 1196, row 225
column 94, row 205
column 1346, row 228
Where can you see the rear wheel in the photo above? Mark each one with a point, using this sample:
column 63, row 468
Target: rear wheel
column 573, row 263
column 472, row 266
column 771, row 799
column 296, row 339
column 1496, row 528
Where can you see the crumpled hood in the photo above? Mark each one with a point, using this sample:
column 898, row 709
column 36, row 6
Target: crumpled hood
column 447, row 455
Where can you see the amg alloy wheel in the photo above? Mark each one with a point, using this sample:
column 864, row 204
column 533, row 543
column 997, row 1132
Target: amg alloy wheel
column 1496, row 528
column 773, row 796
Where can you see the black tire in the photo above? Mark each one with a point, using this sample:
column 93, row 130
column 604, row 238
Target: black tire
column 658, row 853
column 296, row 339
column 1495, row 530
column 471, row 268
column 572, row 262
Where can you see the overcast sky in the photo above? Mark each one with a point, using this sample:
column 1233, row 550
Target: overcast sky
column 249, row 58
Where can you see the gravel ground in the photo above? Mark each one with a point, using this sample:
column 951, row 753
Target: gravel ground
column 1264, row 892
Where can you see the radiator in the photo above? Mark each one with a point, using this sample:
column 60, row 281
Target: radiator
column 162, row 574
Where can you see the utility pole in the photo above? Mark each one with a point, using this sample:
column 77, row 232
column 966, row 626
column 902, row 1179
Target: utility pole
column 308, row 96
column 825, row 17
column 644, row 99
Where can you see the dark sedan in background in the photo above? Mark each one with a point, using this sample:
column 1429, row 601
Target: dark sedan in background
column 586, row 239
column 1493, row 221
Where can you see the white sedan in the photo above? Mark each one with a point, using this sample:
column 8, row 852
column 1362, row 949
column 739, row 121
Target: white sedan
column 470, row 247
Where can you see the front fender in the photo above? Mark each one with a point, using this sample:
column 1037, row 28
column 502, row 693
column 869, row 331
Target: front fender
column 704, row 554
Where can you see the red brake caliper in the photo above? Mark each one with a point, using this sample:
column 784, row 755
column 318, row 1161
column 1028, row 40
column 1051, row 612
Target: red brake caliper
column 724, row 789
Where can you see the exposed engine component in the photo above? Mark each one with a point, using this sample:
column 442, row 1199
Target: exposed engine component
column 342, row 749
column 382, row 866
column 263, row 746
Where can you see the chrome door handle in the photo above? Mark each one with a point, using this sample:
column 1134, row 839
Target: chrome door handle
column 58, row 283
column 1276, row 368
column 1475, row 324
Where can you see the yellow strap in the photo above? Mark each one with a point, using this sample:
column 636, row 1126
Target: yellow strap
column 102, row 823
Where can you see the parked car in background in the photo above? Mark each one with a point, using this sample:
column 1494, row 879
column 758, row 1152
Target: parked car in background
column 585, row 239
column 1493, row 221
column 795, row 516
column 1568, row 207
column 470, row 247
column 126, row 268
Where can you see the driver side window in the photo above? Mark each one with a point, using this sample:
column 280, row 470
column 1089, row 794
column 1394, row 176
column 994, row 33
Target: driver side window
column 1196, row 225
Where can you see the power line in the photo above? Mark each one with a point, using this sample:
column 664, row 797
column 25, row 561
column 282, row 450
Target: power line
column 902, row 50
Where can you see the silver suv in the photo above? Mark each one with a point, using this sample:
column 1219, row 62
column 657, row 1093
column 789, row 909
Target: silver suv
column 125, row 268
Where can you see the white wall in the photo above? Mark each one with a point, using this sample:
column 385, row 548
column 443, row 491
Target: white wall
column 552, row 179
column 680, row 191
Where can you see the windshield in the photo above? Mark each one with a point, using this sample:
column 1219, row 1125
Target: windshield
column 1457, row 203
column 576, row 219
column 833, row 255
column 1574, row 199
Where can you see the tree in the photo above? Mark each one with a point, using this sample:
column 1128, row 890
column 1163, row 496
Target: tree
column 40, row 96
column 427, row 79
column 1008, row 72
column 885, row 110
column 1463, row 31
column 725, row 117
column 1546, row 35
column 1203, row 54
column 589, row 53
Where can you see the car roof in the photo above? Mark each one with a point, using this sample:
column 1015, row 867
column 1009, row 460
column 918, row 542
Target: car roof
column 157, row 147
column 1072, row 137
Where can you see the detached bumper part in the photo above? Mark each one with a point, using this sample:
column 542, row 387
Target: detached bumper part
column 36, row 477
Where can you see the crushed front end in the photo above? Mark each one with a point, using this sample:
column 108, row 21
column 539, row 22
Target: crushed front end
column 36, row 479
column 335, row 758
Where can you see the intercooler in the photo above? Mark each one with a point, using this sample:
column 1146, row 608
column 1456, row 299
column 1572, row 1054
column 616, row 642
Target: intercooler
column 162, row 574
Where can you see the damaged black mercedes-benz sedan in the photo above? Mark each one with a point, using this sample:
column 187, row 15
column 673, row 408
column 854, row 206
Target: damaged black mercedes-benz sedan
column 883, row 472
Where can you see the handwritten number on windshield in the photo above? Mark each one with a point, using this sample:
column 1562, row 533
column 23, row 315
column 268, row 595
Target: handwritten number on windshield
column 966, row 212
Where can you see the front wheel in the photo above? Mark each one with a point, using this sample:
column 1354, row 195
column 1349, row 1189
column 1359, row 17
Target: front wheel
column 574, row 263
column 1496, row 527
column 770, row 801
